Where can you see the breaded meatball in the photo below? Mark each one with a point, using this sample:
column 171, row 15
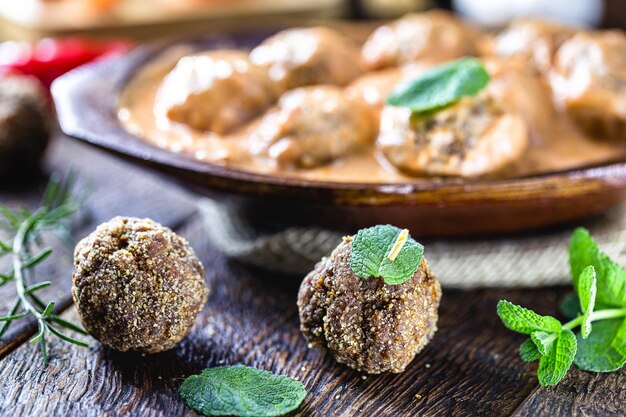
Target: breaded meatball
column 306, row 56
column 470, row 138
column 534, row 40
column 434, row 36
column 589, row 82
column 366, row 324
column 312, row 126
column 24, row 126
column 137, row 285
column 216, row 91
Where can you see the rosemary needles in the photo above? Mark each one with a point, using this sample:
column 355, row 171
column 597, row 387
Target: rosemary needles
column 25, row 228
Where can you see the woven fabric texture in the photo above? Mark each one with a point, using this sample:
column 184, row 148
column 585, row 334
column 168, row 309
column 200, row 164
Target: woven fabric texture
column 523, row 261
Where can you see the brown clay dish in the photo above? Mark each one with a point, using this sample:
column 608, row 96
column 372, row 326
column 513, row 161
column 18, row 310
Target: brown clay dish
column 87, row 101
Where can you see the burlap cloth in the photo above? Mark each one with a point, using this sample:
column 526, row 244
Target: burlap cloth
column 523, row 261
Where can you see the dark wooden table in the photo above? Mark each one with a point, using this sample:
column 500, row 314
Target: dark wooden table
column 471, row 367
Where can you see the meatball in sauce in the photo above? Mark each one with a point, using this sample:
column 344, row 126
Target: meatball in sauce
column 534, row 40
column 312, row 126
column 589, row 82
column 520, row 89
column 435, row 36
column 306, row 56
column 553, row 94
column 373, row 88
column 472, row 137
column 216, row 91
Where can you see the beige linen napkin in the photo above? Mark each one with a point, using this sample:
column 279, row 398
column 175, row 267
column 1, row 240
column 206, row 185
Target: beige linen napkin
column 522, row 261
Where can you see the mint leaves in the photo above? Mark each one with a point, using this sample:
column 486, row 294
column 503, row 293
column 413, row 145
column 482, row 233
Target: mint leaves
column 554, row 346
column 551, row 343
column 386, row 252
column 441, row 86
column 584, row 251
column 522, row 320
column 242, row 391
column 528, row 351
column 600, row 298
column 555, row 363
column 605, row 348
column 587, row 296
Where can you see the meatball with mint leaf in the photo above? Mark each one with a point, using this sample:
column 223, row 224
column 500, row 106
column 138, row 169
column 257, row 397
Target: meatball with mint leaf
column 373, row 302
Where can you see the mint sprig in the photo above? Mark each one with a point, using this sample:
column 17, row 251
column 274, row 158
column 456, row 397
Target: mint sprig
column 242, row 391
column 528, row 351
column 386, row 252
column 523, row 320
column 587, row 289
column 555, row 363
column 605, row 348
column 611, row 278
column 600, row 298
column 441, row 86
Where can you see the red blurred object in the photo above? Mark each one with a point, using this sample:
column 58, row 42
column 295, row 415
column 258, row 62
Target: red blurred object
column 51, row 58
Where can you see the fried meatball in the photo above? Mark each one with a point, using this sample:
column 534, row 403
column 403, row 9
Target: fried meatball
column 24, row 125
column 366, row 324
column 310, row 127
column 216, row 91
column 470, row 138
column 434, row 36
column 137, row 285
column 589, row 82
column 306, row 56
column 532, row 39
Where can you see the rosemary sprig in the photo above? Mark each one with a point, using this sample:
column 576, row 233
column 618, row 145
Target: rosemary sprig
column 26, row 228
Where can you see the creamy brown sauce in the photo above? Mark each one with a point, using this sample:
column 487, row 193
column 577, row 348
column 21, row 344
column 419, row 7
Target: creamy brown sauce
column 555, row 143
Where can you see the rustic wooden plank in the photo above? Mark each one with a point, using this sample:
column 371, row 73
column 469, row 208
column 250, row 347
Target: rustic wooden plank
column 470, row 368
column 115, row 187
column 579, row 394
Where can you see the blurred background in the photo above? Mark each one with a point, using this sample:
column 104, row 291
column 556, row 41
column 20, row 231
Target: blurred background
column 72, row 30
column 32, row 19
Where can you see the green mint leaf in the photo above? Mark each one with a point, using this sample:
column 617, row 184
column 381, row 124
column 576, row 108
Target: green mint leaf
column 587, row 297
column 371, row 247
column 241, row 391
column 543, row 341
column 605, row 348
column 570, row 306
column 441, row 86
column 554, row 365
column 528, row 351
column 610, row 277
column 526, row 321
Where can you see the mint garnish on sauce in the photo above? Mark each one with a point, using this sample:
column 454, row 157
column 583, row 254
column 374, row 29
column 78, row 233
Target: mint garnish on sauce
column 242, row 391
column 386, row 252
column 441, row 86
column 600, row 298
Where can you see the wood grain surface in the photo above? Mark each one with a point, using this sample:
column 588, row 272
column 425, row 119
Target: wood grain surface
column 471, row 368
